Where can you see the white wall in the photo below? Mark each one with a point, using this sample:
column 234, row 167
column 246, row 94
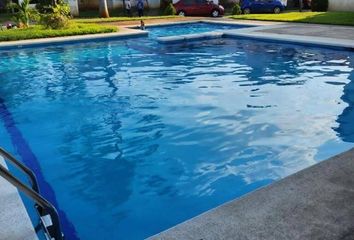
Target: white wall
column 119, row 3
column 214, row 1
column 341, row 5
column 74, row 7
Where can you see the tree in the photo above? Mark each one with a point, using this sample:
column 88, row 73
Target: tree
column 24, row 13
column 103, row 9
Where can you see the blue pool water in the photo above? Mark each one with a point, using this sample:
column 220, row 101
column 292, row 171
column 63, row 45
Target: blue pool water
column 130, row 137
column 190, row 28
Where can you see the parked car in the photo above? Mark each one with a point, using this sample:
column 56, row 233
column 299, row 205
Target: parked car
column 259, row 6
column 198, row 8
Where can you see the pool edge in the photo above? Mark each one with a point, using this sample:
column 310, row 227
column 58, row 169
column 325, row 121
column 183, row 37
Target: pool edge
column 43, row 42
column 253, row 32
column 314, row 203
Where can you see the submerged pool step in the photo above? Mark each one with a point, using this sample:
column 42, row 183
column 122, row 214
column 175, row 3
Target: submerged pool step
column 189, row 37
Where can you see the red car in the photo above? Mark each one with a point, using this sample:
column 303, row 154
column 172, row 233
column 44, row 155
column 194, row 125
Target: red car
column 198, row 8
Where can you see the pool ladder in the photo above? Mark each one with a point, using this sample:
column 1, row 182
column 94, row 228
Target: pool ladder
column 48, row 215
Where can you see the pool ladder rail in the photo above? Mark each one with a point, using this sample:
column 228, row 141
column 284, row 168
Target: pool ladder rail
column 48, row 215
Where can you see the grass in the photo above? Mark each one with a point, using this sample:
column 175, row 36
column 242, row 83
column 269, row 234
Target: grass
column 119, row 19
column 78, row 26
column 334, row 18
column 38, row 31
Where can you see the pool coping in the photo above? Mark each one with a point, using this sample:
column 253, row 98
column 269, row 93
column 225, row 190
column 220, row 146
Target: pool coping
column 254, row 32
column 124, row 34
column 314, row 203
column 14, row 219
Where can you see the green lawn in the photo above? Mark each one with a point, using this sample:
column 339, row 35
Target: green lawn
column 78, row 26
column 335, row 18
column 37, row 31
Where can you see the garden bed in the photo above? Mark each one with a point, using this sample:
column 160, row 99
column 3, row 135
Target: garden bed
column 37, row 31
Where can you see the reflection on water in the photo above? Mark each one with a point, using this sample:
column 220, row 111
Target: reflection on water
column 345, row 120
column 135, row 137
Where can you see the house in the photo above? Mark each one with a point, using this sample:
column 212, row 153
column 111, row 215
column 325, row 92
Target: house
column 75, row 5
column 112, row 4
column 342, row 5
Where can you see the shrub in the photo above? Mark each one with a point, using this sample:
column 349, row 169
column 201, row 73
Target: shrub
column 163, row 5
column 319, row 5
column 24, row 13
column 58, row 18
column 44, row 6
column 54, row 21
column 227, row 4
column 170, row 10
column 236, row 9
column 62, row 8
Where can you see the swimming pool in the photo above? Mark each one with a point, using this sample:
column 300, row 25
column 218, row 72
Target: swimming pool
column 190, row 28
column 134, row 137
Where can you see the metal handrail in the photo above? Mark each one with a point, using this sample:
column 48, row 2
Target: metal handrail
column 23, row 168
column 56, row 232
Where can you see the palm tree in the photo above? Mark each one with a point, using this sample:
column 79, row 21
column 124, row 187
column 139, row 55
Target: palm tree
column 24, row 12
column 103, row 9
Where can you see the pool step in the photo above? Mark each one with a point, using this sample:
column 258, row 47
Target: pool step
column 190, row 37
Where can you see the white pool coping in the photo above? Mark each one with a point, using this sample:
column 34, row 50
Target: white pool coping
column 14, row 220
column 125, row 33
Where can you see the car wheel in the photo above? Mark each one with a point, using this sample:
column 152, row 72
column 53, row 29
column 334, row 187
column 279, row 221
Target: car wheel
column 215, row 13
column 181, row 13
column 246, row 11
column 277, row 10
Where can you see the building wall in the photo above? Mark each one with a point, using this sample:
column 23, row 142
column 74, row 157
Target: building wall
column 341, row 5
column 113, row 4
column 74, row 7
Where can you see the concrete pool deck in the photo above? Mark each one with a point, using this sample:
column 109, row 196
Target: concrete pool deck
column 300, row 33
column 315, row 203
column 14, row 220
column 314, row 30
